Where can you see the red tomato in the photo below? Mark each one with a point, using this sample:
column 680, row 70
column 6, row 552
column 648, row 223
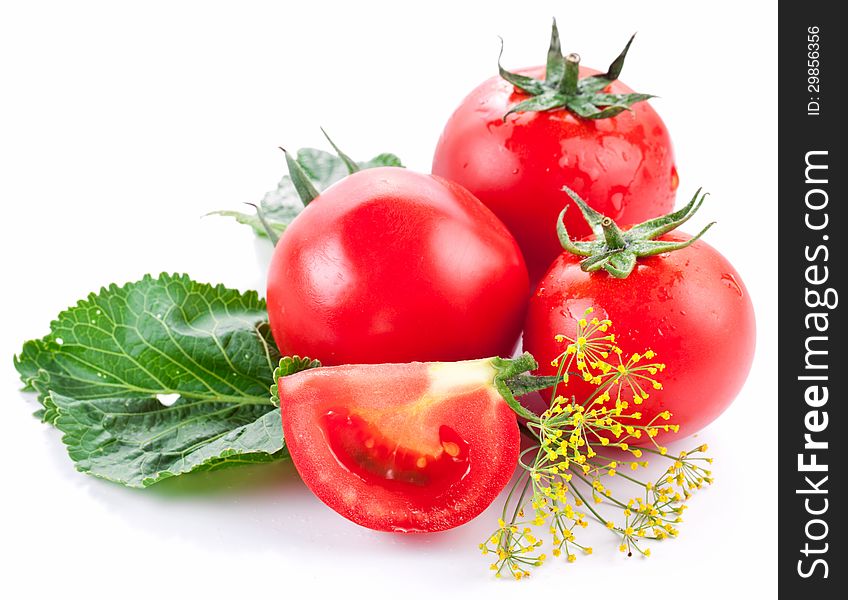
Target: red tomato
column 689, row 306
column 622, row 166
column 401, row 447
column 389, row 265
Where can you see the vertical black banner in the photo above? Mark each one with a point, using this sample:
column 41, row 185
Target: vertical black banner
column 811, row 403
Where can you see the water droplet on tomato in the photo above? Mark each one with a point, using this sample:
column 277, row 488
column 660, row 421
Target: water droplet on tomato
column 730, row 281
column 617, row 200
column 675, row 179
column 663, row 294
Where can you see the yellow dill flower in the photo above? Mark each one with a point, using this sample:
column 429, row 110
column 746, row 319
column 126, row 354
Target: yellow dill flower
column 569, row 432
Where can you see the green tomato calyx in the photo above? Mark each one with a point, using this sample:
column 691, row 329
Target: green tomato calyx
column 615, row 250
column 563, row 88
column 303, row 185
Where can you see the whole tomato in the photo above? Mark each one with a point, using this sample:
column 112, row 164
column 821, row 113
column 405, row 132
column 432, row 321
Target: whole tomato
column 667, row 293
column 519, row 137
column 388, row 265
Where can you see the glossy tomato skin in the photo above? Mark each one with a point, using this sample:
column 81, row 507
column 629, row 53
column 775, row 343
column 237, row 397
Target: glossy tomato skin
column 689, row 306
column 389, row 265
column 622, row 166
column 401, row 447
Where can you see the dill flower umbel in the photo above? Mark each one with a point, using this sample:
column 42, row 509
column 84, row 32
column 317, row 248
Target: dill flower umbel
column 561, row 487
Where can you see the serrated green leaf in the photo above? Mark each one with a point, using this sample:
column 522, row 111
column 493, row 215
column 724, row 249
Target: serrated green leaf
column 281, row 205
column 157, row 336
column 102, row 369
column 139, row 442
column 289, row 365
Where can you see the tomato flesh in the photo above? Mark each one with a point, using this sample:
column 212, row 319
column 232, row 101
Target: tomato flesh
column 401, row 447
column 364, row 451
column 622, row 166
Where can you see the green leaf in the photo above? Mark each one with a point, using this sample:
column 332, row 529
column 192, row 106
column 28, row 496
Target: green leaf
column 386, row 159
column 157, row 336
column 281, row 205
column 108, row 369
column 139, row 442
column 289, row 365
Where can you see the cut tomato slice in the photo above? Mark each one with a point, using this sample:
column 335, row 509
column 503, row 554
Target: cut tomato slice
column 404, row 447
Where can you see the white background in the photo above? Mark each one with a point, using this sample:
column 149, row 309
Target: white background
column 120, row 125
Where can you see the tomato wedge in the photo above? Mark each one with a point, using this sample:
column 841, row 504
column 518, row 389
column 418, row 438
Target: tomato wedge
column 404, row 447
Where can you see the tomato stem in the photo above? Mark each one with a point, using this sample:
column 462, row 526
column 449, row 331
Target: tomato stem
column 510, row 368
column 613, row 236
column 520, row 502
column 568, row 85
